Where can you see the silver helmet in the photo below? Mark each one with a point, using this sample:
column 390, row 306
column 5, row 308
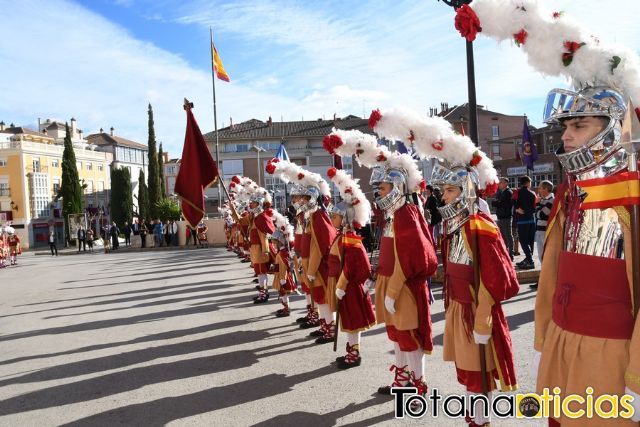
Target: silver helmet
column 591, row 101
column 456, row 213
column 314, row 194
column 259, row 199
column 279, row 236
column 396, row 177
column 346, row 211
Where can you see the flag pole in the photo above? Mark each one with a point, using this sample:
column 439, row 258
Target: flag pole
column 215, row 117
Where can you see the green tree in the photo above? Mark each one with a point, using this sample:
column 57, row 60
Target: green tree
column 168, row 209
column 121, row 196
column 143, row 198
column 70, row 189
column 154, row 175
column 163, row 193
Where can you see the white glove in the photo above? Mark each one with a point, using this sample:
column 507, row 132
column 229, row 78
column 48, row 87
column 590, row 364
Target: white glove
column 311, row 278
column 480, row 339
column 340, row 293
column 635, row 404
column 535, row 364
column 390, row 304
column 283, row 282
column 368, row 284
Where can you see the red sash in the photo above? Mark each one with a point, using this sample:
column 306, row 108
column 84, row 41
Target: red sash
column 592, row 296
column 254, row 237
column 305, row 245
column 386, row 258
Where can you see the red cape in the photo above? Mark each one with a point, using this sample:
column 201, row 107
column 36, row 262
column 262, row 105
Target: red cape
column 414, row 244
column 324, row 231
column 264, row 223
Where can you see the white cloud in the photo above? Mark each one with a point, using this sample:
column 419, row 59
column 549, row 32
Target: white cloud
column 291, row 59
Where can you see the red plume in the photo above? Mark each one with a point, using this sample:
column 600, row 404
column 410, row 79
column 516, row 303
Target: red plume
column 271, row 168
column 331, row 143
column 331, row 172
column 300, row 176
column 374, row 118
column 236, row 179
column 491, row 189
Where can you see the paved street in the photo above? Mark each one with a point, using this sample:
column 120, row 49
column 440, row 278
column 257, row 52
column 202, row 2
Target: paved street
column 172, row 337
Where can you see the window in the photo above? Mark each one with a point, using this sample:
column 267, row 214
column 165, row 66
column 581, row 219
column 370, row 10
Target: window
column 231, row 168
column 56, row 186
column 236, row 148
column 100, row 186
column 495, row 150
column 89, row 166
column 4, row 189
column 89, row 186
column 100, row 167
column 495, row 132
column 3, row 162
column 36, row 164
column 55, row 163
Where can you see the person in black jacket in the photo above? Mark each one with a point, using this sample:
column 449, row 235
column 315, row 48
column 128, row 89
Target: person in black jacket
column 504, row 207
column 525, row 207
column 434, row 218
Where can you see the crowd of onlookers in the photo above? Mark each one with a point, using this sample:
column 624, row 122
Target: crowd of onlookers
column 163, row 234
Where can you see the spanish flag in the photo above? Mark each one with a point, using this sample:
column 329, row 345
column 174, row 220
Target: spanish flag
column 621, row 189
column 218, row 68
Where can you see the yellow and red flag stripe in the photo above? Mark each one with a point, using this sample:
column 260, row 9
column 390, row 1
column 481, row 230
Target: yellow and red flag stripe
column 622, row 189
column 218, row 68
column 482, row 226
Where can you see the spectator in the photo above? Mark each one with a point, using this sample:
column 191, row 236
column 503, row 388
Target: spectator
column 90, row 235
column 167, row 233
column 135, row 227
column 114, row 231
column 514, row 224
column 543, row 209
column 82, row 235
column 525, row 207
column 126, row 230
column 143, row 234
column 158, row 231
column 52, row 243
column 173, row 232
column 434, row 218
column 504, row 208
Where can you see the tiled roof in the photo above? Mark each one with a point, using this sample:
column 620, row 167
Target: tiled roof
column 19, row 130
column 256, row 129
column 102, row 139
column 454, row 113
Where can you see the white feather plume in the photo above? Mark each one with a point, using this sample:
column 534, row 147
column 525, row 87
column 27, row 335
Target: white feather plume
column 370, row 154
column 290, row 172
column 352, row 194
column 282, row 223
column 592, row 63
column 435, row 137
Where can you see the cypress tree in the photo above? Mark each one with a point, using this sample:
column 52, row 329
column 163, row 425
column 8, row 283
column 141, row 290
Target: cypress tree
column 70, row 189
column 163, row 194
column 143, row 198
column 121, row 196
column 154, row 175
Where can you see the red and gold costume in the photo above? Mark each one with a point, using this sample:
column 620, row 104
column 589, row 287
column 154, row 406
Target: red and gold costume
column 356, row 309
column 467, row 312
column 407, row 258
column 13, row 241
column 584, row 324
column 317, row 237
column 301, row 246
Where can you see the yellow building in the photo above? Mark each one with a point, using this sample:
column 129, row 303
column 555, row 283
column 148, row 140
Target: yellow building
column 31, row 174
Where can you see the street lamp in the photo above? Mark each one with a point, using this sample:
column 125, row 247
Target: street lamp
column 471, row 80
column 258, row 150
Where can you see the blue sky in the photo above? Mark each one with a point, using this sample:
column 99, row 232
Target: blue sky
column 102, row 61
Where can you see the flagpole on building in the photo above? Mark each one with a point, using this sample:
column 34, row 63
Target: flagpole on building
column 215, row 117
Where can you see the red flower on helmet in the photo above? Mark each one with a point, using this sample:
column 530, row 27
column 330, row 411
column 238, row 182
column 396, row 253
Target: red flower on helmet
column 374, row 118
column 274, row 160
column 381, row 157
column 520, row 37
column 438, row 145
column 236, row 179
column 571, row 48
column 423, row 185
column 467, row 22
column 331, row 143
column 475, row 159
column 271, row 168
column 348, row 190
column 490, row 189
column 331, row 172
column 300, row 175
column 356, row 225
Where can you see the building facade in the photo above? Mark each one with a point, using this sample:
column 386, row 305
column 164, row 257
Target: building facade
column 126, row 154
column 31, row 175
column 171, row 169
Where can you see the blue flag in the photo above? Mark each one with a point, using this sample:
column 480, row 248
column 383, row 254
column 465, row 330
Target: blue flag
column 529, row 149
column 281, row 154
